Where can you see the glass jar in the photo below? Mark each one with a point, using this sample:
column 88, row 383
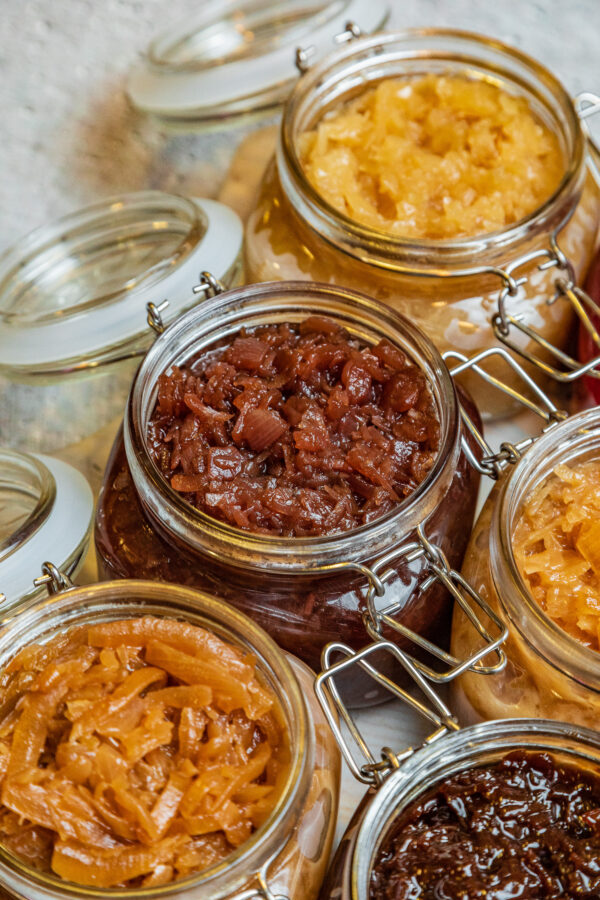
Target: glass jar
column 290, row 850
column 588, row 345
column 46, row 509
column 548, row 673
column 350, row 874
column 73, row 298
column 303, row 591
column 449, row 289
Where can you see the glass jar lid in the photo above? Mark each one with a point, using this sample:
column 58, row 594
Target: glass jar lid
column 46, row 511
column 237, row 57
column 73, row 294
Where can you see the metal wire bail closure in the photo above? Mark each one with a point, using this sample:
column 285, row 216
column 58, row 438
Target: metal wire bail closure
column 437, row 569
column 373, row 771
column 493, row 462
column 504, row 324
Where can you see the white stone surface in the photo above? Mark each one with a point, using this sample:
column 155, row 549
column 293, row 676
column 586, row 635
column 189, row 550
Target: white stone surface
column 69, row 136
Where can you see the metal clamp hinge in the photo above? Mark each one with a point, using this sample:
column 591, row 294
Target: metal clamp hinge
column 489, row 462
column 373, row 771
column 56, row 581
column 504, row 323
column 304, row 55
column 207, row 285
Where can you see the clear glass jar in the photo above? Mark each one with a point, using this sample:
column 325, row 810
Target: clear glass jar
column 46, row 510
column 589, row 348
column 292, row 847
column 73, row 296
column 305, row 592
column 548, row 673
column 350, row 874
column 450, row 289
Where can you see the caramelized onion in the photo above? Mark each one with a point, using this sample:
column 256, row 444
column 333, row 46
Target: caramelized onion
column 295, row 430
column 557, row 548
column 135, row 752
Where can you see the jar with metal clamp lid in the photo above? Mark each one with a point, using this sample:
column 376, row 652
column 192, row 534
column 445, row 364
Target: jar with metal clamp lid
column 469, row 812
column 547, row 358
column 286, row 855
column 523, row 272
column 529, row 558
column 73, row 298
column 46, row 506
column 398, row 569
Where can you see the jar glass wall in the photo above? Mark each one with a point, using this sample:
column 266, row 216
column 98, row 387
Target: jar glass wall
column 144, row 527
column 295, row 233
column 293, row 845
column 549, row 673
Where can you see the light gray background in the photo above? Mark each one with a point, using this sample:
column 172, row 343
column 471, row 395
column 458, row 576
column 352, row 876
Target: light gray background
column 68, row 136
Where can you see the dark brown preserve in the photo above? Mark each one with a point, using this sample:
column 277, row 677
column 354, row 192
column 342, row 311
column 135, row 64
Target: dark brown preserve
column 374, row 413
column 526, row 827
column 295, row 430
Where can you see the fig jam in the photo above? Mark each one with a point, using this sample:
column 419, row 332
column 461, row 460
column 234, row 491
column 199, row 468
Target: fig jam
column 526, row 827
column 295, row 430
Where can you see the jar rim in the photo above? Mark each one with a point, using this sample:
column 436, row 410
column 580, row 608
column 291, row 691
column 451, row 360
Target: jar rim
column 25, row 476
column 59, row 526
column 452, row 753
column 409, row 255
column 565, row 442
column 289, row 301
column 113, row 600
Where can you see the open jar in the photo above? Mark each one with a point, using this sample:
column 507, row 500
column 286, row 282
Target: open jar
column 46, row 507
column 73, row 298
column 549, row 673
column 305, row 591
column 451, row 288
column 479, row 811
column 352, row 871
column 286, row 856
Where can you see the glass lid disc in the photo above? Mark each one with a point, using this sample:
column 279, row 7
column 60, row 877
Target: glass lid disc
column 27, row 494
column 73, row 294
column 239, row 57
column 96, row 256
column 46, row 511
column 235, row 31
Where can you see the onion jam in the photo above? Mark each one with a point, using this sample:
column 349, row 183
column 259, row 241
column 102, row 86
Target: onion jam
column 295, row 430
column 526, row 827
column 135, row 752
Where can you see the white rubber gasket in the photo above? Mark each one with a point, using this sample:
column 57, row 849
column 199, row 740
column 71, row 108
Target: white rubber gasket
column 164, row 91
column 58, row 536
column 96, row 329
